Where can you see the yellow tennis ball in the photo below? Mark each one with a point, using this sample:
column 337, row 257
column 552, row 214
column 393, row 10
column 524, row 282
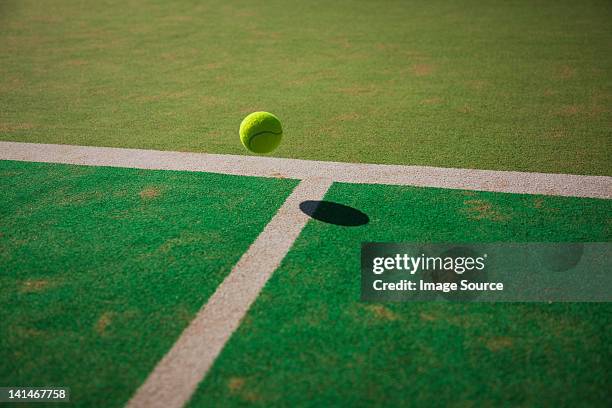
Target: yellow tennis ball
column 261, row 132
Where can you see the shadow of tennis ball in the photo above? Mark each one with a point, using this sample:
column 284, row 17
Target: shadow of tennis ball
column 442, row 275
column 560, row 257
column 334, row 213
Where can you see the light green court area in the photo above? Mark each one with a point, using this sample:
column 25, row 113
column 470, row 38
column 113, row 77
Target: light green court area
column 102, row 268
column 309, row 341
column 514, row 85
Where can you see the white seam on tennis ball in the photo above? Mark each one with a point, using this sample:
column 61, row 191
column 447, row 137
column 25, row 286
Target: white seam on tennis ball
column 258, row 134
column 266, row 131
column 177, row 375
column 360, row 173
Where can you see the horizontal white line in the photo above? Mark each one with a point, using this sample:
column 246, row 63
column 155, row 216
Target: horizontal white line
column 176, row 376
column 424, row 176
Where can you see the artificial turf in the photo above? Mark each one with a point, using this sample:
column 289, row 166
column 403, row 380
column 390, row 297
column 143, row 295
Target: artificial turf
column 514, row 85
column 102, row 268
column 309, row 341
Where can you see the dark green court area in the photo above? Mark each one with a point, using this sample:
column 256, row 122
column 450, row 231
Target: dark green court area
column 101, row 269
column 310, row 341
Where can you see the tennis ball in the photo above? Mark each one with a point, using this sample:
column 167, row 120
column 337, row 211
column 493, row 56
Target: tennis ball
column 261, row 132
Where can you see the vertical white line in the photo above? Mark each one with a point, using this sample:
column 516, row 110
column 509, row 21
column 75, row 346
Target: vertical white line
column 178, row 373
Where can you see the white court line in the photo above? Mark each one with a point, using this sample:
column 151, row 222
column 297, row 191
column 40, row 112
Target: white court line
column 424, row 176
column 176, row 376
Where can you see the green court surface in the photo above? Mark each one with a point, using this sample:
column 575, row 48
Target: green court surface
column 309, row 341
column 513, row 85
column 101, row 269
